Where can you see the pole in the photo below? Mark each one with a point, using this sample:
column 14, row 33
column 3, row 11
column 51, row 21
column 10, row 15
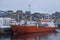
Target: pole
column 29, row 7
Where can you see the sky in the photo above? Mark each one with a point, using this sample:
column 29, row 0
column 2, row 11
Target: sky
column 42, row 6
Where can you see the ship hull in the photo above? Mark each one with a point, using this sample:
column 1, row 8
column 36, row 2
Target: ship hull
column 31, row 29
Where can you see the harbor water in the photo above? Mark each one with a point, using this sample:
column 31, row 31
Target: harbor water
column 33, row 36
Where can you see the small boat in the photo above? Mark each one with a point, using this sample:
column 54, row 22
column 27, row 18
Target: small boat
column 4, row 25
column 30, row 26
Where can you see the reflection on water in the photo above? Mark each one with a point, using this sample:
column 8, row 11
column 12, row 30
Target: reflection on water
column 37, row 36
column 33, row 36
column 5, row 37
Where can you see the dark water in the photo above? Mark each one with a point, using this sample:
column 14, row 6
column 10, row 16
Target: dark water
column 33, row 36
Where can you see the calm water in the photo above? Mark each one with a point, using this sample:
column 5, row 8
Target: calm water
column 33, row 36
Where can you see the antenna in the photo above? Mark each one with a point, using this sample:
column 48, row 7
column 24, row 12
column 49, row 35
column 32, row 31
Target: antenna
column 29, row 7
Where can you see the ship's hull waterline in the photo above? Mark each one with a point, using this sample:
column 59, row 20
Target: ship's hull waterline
column 31, row 29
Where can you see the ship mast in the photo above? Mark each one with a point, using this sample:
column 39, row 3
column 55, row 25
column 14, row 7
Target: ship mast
column 18, row 17
column 29, row 7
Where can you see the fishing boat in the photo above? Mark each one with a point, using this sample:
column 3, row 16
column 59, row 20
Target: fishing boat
column 30, row 26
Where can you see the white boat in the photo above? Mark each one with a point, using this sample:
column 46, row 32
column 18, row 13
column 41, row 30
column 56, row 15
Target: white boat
column 4, row 24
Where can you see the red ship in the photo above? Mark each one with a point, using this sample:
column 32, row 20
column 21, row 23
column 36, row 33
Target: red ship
column 29, row 26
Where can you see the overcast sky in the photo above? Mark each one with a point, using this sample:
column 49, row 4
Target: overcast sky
column 45, row 6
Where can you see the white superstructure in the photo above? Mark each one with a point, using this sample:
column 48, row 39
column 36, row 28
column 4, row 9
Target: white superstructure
column 48, row 23
column 4, row 22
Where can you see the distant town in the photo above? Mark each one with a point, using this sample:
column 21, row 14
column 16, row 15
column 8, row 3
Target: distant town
column 19, row 14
